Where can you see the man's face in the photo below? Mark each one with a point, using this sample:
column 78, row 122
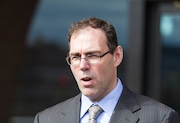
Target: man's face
column 94, row 80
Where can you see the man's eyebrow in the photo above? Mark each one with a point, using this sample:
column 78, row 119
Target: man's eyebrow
column 92, row 52
column 86, row 53
column 75, row 54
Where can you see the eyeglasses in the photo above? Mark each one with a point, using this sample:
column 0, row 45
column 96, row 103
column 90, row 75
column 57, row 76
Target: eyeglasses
column 90, row 59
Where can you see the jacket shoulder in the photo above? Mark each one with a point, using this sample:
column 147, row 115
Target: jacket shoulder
column 63, row 105
column 151, row 108
column 55, row 112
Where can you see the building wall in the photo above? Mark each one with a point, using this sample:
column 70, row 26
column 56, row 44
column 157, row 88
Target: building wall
column 15, row 16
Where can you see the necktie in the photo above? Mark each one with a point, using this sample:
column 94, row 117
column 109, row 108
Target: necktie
column 94, row 112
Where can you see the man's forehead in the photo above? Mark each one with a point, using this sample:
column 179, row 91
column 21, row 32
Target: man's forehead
column 80, row 40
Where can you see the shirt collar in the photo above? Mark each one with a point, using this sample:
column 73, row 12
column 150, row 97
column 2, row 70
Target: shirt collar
column 108, row 103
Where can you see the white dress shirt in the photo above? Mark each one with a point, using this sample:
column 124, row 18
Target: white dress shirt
column 108, row 104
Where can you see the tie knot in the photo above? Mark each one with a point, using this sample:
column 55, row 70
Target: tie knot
column 94, row 112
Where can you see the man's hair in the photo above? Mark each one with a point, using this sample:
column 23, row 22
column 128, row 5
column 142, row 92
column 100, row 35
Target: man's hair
column 100, row 24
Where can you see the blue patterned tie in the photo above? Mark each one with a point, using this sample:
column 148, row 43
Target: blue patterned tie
column 94, row 112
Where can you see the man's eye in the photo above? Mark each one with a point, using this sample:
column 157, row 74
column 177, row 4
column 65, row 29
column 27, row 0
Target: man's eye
column 75, row 57
column 92, row 56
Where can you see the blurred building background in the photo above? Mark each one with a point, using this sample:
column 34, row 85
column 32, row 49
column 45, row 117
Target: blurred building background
column 33, row 46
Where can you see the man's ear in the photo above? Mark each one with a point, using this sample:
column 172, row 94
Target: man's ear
column 118, row 56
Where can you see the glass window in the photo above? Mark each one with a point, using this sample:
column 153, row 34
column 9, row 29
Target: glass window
column 170, row 38
column 45, row 77
column 53, row 18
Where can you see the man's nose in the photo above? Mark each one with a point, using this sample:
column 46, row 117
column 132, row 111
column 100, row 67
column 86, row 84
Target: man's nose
column 84, row 65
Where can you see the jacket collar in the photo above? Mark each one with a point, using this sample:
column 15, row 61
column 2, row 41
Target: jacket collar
column 71, row 112
column 124, row 111
column 126, row 108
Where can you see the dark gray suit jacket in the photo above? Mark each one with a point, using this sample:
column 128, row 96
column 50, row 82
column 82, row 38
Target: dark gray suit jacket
column 131, row 108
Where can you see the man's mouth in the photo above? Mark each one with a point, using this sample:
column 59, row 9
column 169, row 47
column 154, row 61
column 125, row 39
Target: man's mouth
column 86, row 79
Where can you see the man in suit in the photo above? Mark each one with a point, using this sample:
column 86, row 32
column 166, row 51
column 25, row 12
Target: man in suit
column 93, row 57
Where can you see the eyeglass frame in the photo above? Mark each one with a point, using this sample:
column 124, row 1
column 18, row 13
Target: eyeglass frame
column 68, row 58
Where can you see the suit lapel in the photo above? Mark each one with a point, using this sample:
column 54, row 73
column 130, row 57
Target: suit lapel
column 72, row 112
column 126, row 108
column 124, row 111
